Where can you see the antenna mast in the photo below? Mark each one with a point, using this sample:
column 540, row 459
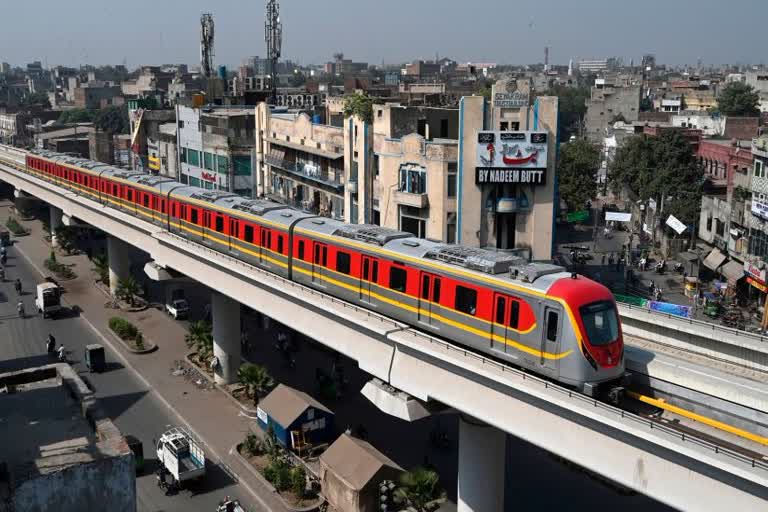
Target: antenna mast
column 206, row 44
column 273, row 34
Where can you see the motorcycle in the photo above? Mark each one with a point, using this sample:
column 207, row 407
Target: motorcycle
column 679, row 268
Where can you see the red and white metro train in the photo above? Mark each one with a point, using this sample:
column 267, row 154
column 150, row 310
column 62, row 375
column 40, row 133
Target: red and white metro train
column 536, row 316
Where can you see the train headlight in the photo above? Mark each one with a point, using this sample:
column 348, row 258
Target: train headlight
column 588, row 356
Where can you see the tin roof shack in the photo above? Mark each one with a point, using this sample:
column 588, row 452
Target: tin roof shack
column 299, row 421
column 59, row 451
column 351, row 471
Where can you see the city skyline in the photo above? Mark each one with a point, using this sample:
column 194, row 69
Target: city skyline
column 153, row 34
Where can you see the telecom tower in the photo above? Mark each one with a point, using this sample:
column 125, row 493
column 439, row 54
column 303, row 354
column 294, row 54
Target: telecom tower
column 273, row 34
column 206, row 45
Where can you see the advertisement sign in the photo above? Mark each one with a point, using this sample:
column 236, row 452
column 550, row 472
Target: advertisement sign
column 760, row 209
column 757, row 285
column 671, row 309
column 514, row 99
column 208, row 176
column 618, row 216
column 754, row 272
column 511, row 157
column 675, row 224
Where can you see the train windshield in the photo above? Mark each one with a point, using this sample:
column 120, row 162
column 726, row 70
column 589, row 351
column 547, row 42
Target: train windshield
column 600, row 322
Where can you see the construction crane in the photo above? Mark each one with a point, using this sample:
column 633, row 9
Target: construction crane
column 273, row 35
column 206, row 45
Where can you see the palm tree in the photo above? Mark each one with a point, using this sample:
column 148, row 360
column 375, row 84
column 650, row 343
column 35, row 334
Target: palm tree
column 128, row 289
column 256, row 380
column 419, row 488
column 200, row 338
column 101, row 267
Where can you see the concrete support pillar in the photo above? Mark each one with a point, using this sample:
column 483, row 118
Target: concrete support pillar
column 482, row 449
column 226, row 337
column 56, row 216
column 119, row 264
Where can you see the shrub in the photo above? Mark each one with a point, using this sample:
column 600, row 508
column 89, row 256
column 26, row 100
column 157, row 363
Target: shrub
column 52, row 257
column 298, row 481
column 125, row 329
column 13, row 225
column 279, row 474
column 252, row 444
column 139, row 341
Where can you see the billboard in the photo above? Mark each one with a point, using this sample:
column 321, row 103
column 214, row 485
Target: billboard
column 511, row 157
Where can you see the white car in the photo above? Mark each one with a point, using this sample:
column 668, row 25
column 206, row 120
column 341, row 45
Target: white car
column 178, row 309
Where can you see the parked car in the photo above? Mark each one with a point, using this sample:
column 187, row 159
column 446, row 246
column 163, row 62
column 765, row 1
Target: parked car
column 178, row 309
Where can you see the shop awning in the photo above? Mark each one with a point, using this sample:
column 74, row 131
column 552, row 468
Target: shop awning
column 732, row 271
column 714, row 259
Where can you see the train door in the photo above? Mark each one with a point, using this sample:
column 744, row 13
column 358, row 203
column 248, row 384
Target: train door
column 234, row 234
column 265, row 244
column 550, row 338
column 319, row 261
column 500, row 320
column 429, row 297
column 368, row 277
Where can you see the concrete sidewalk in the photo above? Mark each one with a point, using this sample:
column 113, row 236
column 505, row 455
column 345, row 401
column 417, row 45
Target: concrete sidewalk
column 210, row 415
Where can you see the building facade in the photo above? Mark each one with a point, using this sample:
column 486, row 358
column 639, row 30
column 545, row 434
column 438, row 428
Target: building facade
column 216, row 148
column 608, row 103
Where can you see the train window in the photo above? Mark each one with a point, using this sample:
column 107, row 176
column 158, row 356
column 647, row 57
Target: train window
column 300, row 254
column 514, row 315
column 248, row 235
column 219, row 224
column 145, row 200
column 279, row 244
column 343, row 262
column 501, row 306
column 114, row 189
column 552, row 318
column 375, row 272
column 466, row 300
column 436, row 290
column 398, row 278
column 194, row 216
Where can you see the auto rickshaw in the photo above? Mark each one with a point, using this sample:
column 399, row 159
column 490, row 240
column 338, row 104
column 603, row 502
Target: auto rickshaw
column 94, row 357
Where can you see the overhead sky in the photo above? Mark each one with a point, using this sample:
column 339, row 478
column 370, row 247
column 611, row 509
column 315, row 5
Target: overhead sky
column 72, row 32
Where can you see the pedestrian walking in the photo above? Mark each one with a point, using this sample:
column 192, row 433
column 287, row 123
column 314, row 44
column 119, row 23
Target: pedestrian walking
column 610, row 259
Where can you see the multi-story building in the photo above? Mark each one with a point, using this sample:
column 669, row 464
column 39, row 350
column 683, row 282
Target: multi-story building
column 216, row 148
column 608, row 103
column 759, row 80
column 301, row 163
column 593, row 66
column 12, row 127
column 97, row 94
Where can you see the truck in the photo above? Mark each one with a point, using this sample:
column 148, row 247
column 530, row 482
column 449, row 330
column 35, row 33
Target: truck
column 182, row 455
column 48, row 299
column 176, row 304
column 178, row 309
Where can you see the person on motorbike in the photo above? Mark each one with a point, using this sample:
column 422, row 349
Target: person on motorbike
column 17, row 286
column 62, row 354
column 20, row 309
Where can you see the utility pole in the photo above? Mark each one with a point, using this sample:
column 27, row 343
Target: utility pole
column 273, row 35
column 206, row 45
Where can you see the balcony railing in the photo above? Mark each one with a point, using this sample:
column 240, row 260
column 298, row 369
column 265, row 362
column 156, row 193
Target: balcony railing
column 409, row 199
column 308, row 172
column 760, row 147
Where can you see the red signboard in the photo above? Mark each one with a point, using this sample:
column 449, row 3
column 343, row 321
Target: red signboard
column 208, row 176
column 755, row 272
column 757, row 285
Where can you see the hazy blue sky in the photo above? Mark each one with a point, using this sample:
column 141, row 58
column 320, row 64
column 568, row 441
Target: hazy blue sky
column 70, row 32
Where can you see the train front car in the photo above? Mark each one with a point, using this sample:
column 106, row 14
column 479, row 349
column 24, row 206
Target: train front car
column 595, row 331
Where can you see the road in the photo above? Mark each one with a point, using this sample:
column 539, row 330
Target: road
column 132, row 406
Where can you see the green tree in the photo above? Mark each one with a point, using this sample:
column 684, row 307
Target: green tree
column 65, row 237
column 35, row 99
column 572, row 106
column 101, row 267
column 419, row 488
column 360, row 105
column 646, row 105
column 127, row 290
column 661, row 168
column 112, row 120
column 200, row 338
column 77, row 115
column 256, row 380
column 298, row 481
column 738, row 99
column 577, row 173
